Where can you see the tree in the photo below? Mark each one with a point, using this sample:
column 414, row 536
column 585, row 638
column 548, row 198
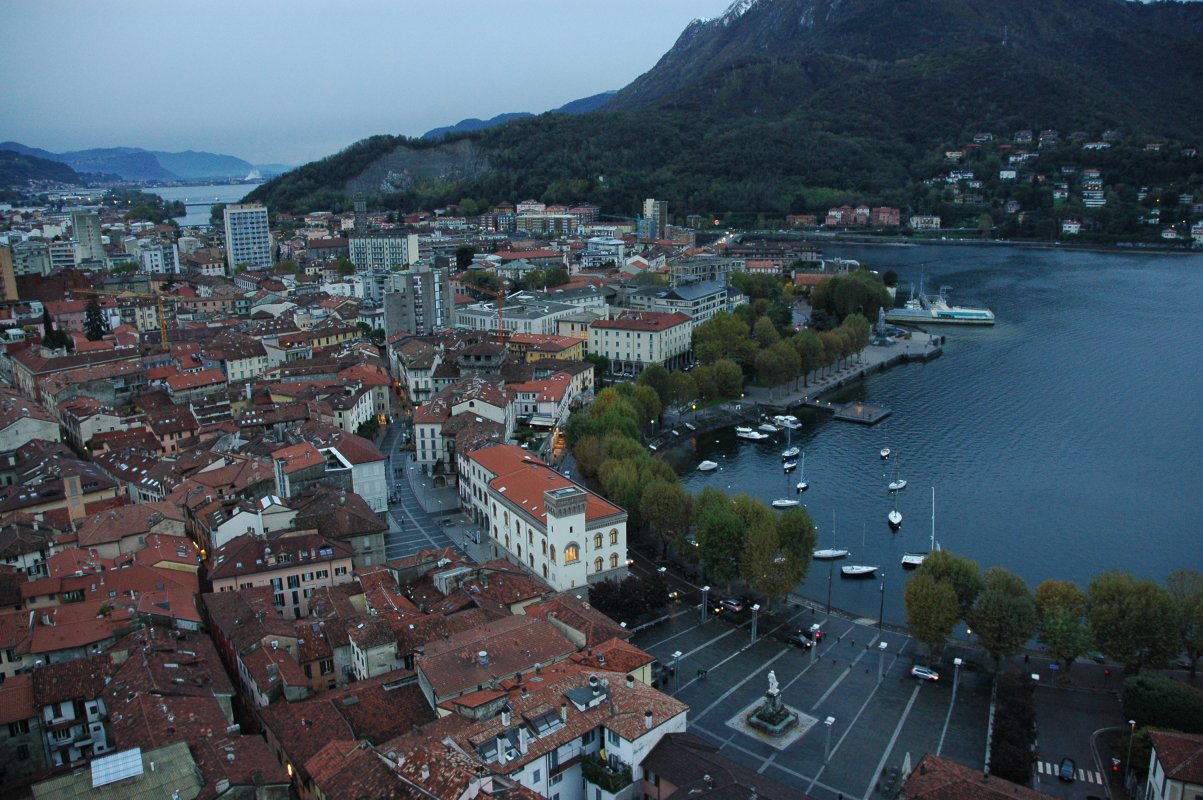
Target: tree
column 723, row 336
column 1186, row 588
column 656, row 377
column 217, row 214
column 720, row 535
column 345, row 267
column 765, row 332
column 681, row 389
column 96, row 323
column 931, row 608
column 1061, row 616
column 959, row 572
column 1133, row 621
column 728, row 378
column 833, row 346
column 51, row 337
column 668, row 508
column 810, row 353
column 1004, row 616
column 777, row 364
column 556, row 276
column 1163, row 702
column 287, row 265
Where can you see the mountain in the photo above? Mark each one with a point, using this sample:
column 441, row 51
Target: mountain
column 194, row 165
column 136, row 164
column 785, row 105
column 17, row 169
column 473, row 124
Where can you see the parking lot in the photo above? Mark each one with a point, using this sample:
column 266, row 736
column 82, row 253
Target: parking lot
column 876, row 724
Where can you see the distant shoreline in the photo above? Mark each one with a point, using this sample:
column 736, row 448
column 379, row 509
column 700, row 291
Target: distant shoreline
column 1018, row 243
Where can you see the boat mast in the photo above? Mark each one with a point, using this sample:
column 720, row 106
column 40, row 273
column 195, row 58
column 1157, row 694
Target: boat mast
column 933, row 519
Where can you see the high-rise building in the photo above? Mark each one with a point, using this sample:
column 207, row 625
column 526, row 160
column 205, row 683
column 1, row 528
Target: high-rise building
column 31, row 258
column 8, row 281
column 248, row 236
column 655, row 217
column 88, row 245
column 418, row 301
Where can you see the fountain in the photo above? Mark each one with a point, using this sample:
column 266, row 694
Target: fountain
column 771, row 716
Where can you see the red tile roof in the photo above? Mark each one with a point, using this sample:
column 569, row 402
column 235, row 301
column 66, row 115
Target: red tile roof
column 1180, row 754
column 643, row 321
column 936, row 778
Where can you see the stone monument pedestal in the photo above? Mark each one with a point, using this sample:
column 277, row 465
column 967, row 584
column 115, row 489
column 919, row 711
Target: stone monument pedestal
column 771, row 716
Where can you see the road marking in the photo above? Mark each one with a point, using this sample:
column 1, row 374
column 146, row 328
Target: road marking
column 948, row 717
column 1051, row 769
column 734, row 688
column 885, row 755
column 728, row 743
column 847, row 670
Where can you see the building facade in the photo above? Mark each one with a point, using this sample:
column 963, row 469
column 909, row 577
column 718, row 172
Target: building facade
column 248, row 236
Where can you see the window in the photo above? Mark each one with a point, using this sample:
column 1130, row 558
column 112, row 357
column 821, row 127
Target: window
column 613, row 560
column 294, row 581
column 597, row 564
column 325, row 573
column 612, row 738
column 572, row 553
column 553, row 554
column 328, row 666
column 62, row 734
column 535, row 777
column 23, row 753
column 340, row 570
column 614, row 536
column 277, row 584
column 279, row 600
column 597, row 541
column 587, row 737
column 15, row 728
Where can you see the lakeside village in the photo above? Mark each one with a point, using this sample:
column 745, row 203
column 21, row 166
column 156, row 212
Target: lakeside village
column 202, row 590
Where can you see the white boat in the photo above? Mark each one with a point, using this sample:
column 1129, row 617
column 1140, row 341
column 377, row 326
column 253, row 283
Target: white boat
column 895, row 519
column 767, row 427
column 937, row 310
column 859, row 570
column 790, row 453
column 885, row 453
column 803, row 484
column 830, row 553
column 691, row 426
column 915, row 559
column 789, row 466
column 786, row 502
column 787, row 421
column 748, row 433
column 707, row 466
column 896, row 485
column 742, row 429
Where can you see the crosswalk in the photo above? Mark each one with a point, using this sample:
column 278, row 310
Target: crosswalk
column 1050, row 769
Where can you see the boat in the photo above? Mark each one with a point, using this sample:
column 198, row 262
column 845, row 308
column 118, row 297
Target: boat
column 898, row 484
column 785, row 501
column 929, row 309
column 767, row 427
column 691, row 426
column 790, row 453
column 859, row 570
column 830, row 553
column 885, row 453
column 787, row 421
column 707, row 466
column 748, row 433
column 911, row 560
column 789, row 466
column 803, row 484
column 895, row 516
column 742, row 429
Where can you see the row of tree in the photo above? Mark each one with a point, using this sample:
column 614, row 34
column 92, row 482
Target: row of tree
column 1136, row 622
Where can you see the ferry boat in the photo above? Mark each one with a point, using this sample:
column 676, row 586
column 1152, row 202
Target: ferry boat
column 787, row 421
column 926, row 309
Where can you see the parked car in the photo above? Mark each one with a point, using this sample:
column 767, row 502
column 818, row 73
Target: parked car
column 732, row 604
column 925, row 673
column 1068, row 769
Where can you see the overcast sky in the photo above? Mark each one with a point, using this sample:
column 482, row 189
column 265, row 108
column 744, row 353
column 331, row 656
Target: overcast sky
column 293, row 80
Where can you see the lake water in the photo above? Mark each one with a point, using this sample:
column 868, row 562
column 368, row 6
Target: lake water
column 199, row 199
column 1062, row 442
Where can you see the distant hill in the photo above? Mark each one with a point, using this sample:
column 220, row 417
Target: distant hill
column 581, row 106
column 18, row 169
column 782, row 105
column 136, row 164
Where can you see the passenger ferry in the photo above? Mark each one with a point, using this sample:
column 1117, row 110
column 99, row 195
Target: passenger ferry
column 925, row 309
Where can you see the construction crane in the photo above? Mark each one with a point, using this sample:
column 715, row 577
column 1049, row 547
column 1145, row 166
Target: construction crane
column 121, row 294
column 499, row 296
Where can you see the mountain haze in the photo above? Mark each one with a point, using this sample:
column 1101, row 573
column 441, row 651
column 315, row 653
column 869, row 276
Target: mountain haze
column 780, row 104
column 136, row 164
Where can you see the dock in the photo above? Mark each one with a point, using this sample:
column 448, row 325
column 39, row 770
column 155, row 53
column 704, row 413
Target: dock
column 864, row 413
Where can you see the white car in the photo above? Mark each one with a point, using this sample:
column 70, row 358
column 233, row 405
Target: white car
column 925, row 673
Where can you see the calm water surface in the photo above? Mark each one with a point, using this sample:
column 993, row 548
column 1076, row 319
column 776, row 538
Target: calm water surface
column 1062, row 442
column 200, row 199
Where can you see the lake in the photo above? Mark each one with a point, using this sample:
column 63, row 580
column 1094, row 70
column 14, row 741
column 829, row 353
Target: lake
column 200, row 199
column 1062, row 442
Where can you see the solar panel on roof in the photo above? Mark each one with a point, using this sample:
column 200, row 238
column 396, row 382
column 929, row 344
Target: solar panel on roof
column 117, row 767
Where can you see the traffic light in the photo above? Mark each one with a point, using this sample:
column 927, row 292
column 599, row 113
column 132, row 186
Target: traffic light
column 1106, row 672
column 1115, row 765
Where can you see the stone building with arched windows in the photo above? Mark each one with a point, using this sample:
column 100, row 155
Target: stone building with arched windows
column 558, row 530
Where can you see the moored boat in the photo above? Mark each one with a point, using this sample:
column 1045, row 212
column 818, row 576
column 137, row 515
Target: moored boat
column 789, row 466
column 786, row 421
column 858, row 571
column 885, row 453
column 767, row 427
column 790, row 453
column 751, row 435
column 707, row 466
column 786, row 502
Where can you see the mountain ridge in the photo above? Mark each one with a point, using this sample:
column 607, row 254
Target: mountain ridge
column 135, row 163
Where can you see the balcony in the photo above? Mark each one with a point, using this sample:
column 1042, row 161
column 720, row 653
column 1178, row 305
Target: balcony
column 609, row 779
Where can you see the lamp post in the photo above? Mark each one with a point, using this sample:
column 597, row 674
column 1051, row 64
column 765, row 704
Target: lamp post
column 830, row 572
column 1128, row 765
column 677, row 670
column 829, row 722
column 956, row 675
column 881, row 608
column 755, row 612
column 705, row 602
column 881, row 660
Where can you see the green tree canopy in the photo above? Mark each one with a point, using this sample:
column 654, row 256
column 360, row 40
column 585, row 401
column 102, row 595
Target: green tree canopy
column 668, row 508
column 931, row 608
column 720, row 535
column 859, row 292
column 346, row 267
column 1134, row 622
column 1004, row 615
column 957, row 571
column 96, row 322
column 1186, row 588
column 723, row 336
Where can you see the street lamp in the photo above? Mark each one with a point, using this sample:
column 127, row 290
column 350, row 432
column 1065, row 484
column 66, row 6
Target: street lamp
column 881, row 659
column 956, row 674
column 829, row 722
column 1128, row 767
column 677, row 670
column 830, row 572
column 755, row 611
column 705, row 602
column 881, row 608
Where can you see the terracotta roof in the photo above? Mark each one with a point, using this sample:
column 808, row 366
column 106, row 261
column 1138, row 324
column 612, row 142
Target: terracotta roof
column 193, row 380
column 298, row 457
column 250, row 554
column 81, row 679
column 697, row 769
column 567, row 609
column 522, row 480
column 130, row 520
column 1180, row 754
column 16, row 699
column 936, row 778
column 643, row 321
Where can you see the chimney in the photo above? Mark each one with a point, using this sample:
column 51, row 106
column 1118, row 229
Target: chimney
column 647, row 719
column 501, row 743
column 425, row 772
column 505, row 716
column 482, row 658
column 595, row 685
column 630, row 681
column 564, row 712
column 522, row 739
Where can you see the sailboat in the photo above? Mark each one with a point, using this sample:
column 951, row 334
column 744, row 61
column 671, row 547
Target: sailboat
column 803, row 484
column 785, row 501
column 858, row 570
column 829, row 553
column 790, row 452
column 898, row 484
column 895, row 516
column 914, row 559
column 885, row 453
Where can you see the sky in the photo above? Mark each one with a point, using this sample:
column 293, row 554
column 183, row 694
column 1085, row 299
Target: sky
column 289, row 81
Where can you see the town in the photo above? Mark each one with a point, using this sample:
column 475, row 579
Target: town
column 289, row 509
